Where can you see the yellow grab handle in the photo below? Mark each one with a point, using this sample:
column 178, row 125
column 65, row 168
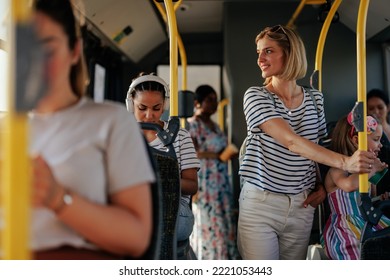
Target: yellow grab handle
column 361, row 82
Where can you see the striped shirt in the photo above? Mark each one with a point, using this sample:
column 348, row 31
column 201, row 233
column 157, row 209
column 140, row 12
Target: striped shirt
column 268, row 164
column 184, row 149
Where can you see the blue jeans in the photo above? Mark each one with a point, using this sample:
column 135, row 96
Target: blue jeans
column 185, row 221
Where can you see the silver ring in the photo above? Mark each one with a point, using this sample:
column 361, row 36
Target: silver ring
column 370, row 166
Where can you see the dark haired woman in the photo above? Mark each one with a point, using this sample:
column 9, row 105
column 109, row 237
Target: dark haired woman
column 378, row 106
column 214, row 233
column 147, row 99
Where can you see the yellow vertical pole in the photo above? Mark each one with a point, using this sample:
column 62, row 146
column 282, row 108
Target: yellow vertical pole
column 183, row 59
column 183, row 62
column 221, row 116
column 15, row 179
column 361, row 82
column 321, row 41
column 182, row 51
column 173, row 57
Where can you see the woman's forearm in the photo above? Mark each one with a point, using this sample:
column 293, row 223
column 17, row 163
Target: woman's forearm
column 279, row 129
column 317, row 153
column 117, row 228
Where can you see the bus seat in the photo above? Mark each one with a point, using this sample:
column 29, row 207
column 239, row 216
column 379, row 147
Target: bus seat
column 375, row 245
column 168, row 170
column 168, row 174
column 155, row 244
column 376, row 248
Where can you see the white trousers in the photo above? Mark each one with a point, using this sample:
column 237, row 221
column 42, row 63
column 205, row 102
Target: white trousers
column 273, row 226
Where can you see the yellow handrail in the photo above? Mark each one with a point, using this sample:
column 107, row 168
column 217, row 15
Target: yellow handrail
column 183, row 55
column 182, row 52
column 299, row 9
column 173, row 57
column 361, row 82
column 221, row 113
column 321, row 41
column 15, row 177
column 296, row 13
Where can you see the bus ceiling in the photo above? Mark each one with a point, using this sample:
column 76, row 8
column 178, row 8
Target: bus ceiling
column 135, row 28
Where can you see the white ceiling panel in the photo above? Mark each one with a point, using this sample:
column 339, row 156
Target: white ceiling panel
column 112, row 16
column 378, row 15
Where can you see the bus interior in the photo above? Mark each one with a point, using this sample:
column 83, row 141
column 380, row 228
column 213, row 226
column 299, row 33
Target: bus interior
column 125, row 37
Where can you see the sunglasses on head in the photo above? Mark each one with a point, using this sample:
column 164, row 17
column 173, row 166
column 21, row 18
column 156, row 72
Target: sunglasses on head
column 280, row 30
column 277, row 29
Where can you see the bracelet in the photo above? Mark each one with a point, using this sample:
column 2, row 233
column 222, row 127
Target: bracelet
column 66, row 200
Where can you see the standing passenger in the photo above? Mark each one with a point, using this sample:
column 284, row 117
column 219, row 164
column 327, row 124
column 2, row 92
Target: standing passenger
column 148, row 98
column 214, row 234
column 343, row 229
column 280, row 192
column 378, row 106
column 91, row 183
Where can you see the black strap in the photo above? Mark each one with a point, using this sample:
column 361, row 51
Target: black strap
column 168, row 135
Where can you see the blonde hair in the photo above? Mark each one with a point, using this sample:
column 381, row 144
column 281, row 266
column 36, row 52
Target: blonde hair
column 293, row 49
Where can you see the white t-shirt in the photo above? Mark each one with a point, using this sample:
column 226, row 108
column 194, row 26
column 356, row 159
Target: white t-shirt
column 93, row 149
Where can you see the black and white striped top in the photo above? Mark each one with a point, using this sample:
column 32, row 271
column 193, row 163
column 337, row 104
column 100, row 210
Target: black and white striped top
column 184, row 149
column 269, row 165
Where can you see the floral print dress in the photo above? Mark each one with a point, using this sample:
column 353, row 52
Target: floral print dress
column 213, row 237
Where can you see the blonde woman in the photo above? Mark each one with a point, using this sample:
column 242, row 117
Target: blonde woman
column 281, row 190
